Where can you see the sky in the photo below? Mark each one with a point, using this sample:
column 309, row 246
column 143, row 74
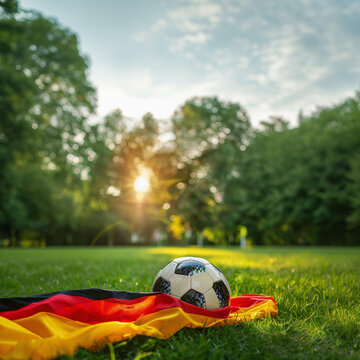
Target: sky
column 274, row 57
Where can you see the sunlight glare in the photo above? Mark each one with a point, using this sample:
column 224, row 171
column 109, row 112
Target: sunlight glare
column 141, row 184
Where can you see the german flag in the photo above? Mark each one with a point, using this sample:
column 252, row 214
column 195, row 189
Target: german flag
column 49, row 325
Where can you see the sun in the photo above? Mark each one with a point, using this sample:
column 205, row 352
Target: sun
column 141, row 184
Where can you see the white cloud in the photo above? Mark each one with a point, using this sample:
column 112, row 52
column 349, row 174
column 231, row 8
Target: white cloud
column 196, row 16
column 272, row 56
column 190, row 39
column 189, row 23
column 292, row 52
column 274, row 62
column 144, row 35
column 159, row 25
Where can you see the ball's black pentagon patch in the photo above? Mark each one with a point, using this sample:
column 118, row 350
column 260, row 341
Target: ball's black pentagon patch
column 222, row 293
column 162, row 285
column 195, row 298
column 190, row 268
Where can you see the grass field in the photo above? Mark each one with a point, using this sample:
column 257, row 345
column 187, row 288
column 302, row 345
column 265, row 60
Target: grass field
column 317, row 290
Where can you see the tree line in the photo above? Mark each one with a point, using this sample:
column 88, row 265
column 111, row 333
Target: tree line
column 67, row 181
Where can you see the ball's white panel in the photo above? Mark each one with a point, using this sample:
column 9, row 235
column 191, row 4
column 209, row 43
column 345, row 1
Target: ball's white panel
column 156, row 277
column 213, row 272
column 180, row 284
column 168, row 270
column 223, row 278
column 201, row 282
column 181, row 259
column 211, row 300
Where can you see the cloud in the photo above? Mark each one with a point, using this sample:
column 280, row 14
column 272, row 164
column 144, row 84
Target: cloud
column 190, row 39
column 159, row 25
column 196, row 16
column 189, row 23
column 144, row 35
column 291, row 53
column 274, row 57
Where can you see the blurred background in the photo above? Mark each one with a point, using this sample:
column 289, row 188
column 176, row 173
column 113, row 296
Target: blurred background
column 191, row 122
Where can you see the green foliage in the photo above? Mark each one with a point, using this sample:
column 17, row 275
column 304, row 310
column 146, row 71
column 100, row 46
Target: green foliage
column 209, row 135
column 294, row 183
column 354, row 191
column 9, row 6
column 316, row 290
column 287, row 185
column 46, row 99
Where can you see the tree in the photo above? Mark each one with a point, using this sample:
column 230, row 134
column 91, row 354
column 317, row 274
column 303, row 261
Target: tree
column 140, row 153
column 45, row 101
column 293, row 183
column 210, row 135
column 354, row 195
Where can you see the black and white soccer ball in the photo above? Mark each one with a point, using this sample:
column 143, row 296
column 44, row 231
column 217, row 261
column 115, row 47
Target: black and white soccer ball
column 195, row 281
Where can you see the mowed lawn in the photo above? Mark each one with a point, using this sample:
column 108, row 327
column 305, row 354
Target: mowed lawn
column 317, row 290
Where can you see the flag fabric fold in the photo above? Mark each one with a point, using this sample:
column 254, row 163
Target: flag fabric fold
column 45, row 326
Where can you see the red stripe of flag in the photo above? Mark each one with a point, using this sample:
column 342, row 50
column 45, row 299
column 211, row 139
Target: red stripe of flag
column 90, row 311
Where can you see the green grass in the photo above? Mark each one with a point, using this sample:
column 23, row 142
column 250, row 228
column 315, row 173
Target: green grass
column 317, row 290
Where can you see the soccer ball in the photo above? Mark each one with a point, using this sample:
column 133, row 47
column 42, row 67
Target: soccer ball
column 195, row 281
